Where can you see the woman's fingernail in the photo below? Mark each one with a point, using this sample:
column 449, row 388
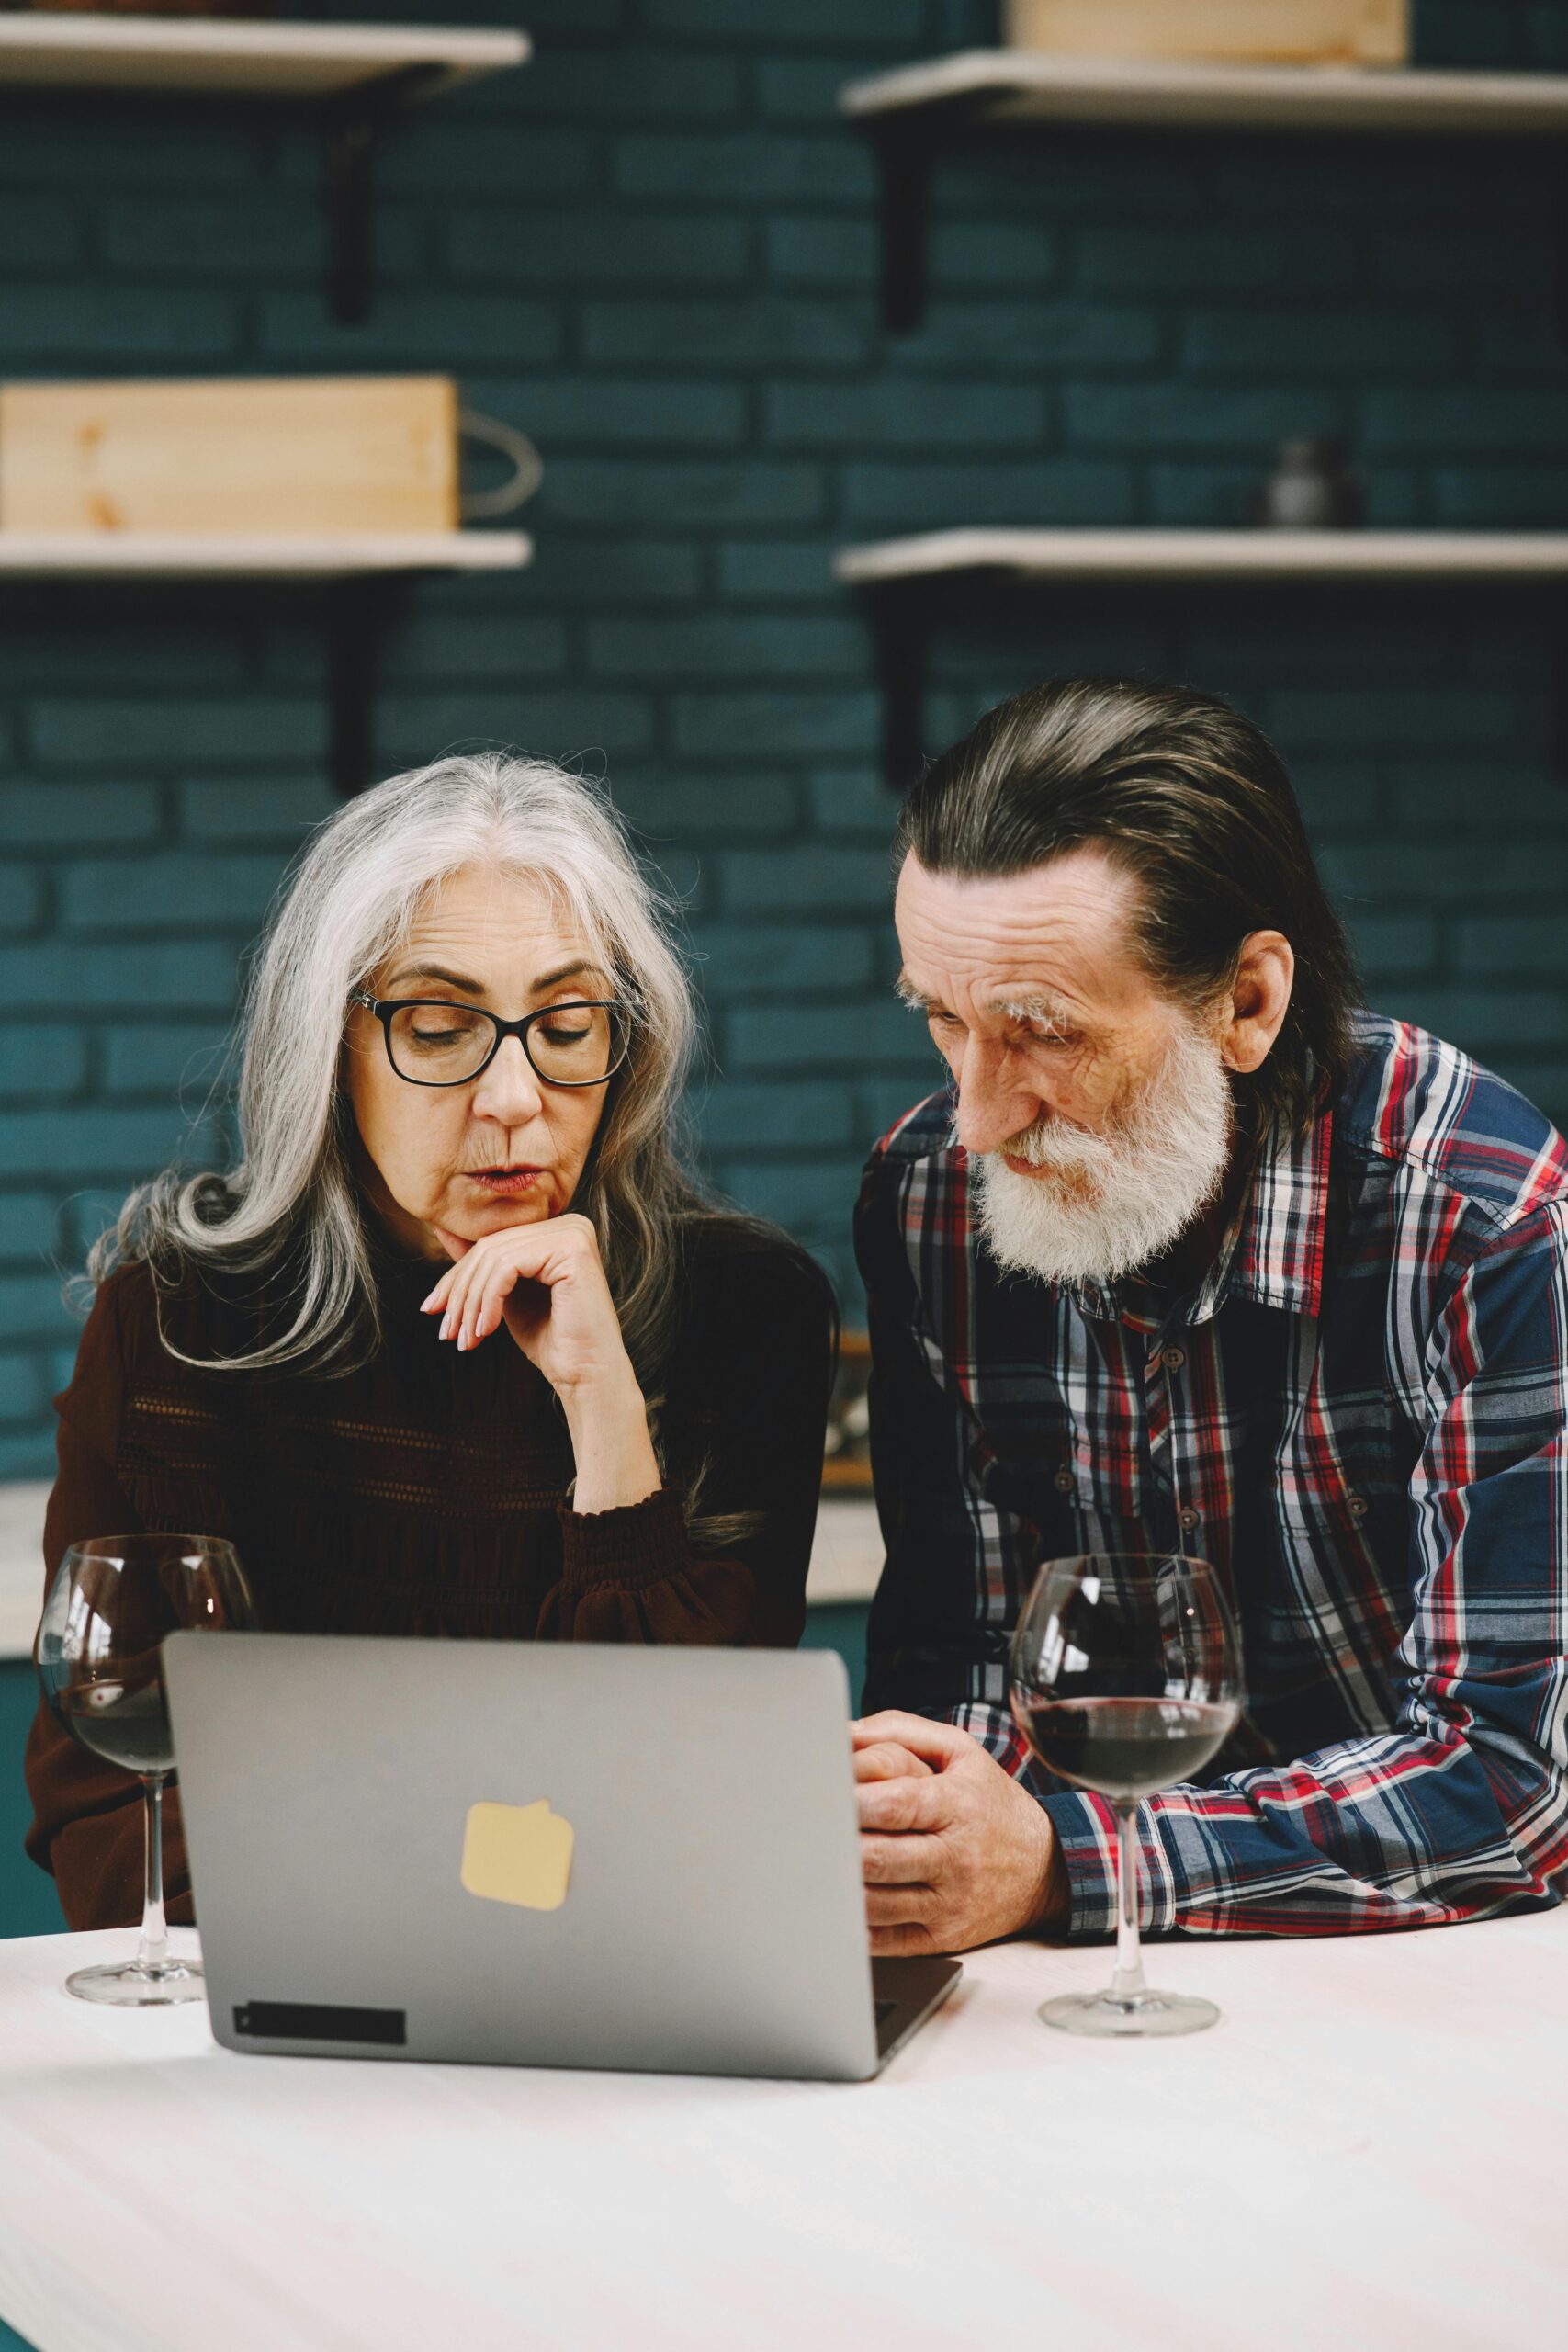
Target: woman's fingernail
column 447, row 1326
column 462, row 1341
column 427, row 1305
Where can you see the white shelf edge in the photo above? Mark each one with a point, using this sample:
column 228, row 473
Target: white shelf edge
column 1019, row 83
column 847, row 1553
column 58, row 52
column 22, row 1507
column 1257, row 554
column 146, row 554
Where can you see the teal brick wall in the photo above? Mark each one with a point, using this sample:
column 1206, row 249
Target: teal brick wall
column 29, row 1905
column 654, row 249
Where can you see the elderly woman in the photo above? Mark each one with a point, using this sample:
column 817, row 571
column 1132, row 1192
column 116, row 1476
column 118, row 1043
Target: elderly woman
column 456, row 1348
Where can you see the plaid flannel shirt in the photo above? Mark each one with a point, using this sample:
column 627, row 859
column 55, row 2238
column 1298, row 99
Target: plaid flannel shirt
column 1358, row 1417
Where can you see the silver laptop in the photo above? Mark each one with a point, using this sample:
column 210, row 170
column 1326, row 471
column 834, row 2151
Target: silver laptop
column 539, row 1855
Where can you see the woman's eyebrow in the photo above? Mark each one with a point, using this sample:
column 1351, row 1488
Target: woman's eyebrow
column 436, row 972
column 566, row 972
column 477, row 988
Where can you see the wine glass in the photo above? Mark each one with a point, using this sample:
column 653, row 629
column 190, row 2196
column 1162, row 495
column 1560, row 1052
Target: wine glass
column 113, row 1600
column 1124, row 1678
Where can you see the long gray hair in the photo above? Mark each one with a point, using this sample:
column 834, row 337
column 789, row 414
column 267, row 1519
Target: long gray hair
column 290, row 1206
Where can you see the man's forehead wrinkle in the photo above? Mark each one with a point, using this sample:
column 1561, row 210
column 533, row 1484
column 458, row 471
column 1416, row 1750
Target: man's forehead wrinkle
column 1004, row 967
column 972, row 944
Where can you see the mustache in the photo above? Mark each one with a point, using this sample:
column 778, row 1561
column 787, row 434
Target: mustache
column 1054, row 1142
column 1057, row 1143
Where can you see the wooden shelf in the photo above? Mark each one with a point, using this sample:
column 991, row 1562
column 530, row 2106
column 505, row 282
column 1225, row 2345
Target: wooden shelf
column 244, row 59
column 900, row 577
column 850, row 1477
column 1018, row 86
column 1211, row 555
column 913, row 111
column 130, row 555
column 356, row 78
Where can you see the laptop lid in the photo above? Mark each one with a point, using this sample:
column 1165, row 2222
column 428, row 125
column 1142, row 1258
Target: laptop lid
column 524, row 1853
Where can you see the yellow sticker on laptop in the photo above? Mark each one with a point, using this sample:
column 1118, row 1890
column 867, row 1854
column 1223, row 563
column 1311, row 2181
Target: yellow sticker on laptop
column 518, row 1853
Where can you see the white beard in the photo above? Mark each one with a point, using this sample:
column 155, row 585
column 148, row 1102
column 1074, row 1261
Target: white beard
column 1108, row 1203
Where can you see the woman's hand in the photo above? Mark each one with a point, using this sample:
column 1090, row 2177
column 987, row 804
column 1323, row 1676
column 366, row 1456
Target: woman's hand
column 545, row 1282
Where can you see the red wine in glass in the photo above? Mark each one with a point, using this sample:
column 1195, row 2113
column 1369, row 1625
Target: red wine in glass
column 1124, row 1678
column 1125, row 1748
column 112, row 1600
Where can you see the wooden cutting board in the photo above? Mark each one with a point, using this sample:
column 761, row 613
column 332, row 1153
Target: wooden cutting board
column 1285, row 32
column 315, row 453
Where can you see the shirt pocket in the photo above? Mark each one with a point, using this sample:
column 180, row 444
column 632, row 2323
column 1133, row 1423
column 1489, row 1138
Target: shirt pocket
column 1352, row 1480
column 1079, row 1487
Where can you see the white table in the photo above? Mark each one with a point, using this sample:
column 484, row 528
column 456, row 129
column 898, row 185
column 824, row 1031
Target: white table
column 1368, row 2154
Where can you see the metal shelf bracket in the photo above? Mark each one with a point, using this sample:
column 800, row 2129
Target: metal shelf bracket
column 359, row 612
column 353, row 127
column 905, row 146
column 900, row 620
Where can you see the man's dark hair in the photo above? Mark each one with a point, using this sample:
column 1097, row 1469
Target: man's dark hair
column 1193, row 801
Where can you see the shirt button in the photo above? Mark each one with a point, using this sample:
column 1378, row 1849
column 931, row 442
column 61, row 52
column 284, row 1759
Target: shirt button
column 1188, row 1518
column 1065, row 1482
column 1357, row 1506
column 1173, row 1358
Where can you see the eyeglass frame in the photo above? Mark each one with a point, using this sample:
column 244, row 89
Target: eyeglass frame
column 386, row 1008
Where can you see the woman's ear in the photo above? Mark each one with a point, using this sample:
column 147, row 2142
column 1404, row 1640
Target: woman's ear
column 1259, row 997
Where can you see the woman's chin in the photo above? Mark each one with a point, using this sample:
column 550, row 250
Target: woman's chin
column 492, row 1209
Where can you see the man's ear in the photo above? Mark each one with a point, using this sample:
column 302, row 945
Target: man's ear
column 1259, row 1000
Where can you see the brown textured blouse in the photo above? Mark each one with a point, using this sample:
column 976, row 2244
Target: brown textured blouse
column 427, row 1493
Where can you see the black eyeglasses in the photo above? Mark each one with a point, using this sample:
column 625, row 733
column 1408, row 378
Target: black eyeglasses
column 432, row 1042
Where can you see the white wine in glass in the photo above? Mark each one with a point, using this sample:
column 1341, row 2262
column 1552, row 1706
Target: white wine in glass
column 112, row 1600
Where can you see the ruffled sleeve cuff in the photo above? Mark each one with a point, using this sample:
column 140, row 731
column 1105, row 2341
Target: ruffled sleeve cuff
column 627, row 1549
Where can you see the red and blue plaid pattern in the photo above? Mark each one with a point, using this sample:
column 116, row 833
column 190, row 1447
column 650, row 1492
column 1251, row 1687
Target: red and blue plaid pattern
column 1359, row 1418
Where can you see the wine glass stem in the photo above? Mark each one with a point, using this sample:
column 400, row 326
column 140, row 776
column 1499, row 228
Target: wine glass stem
column 154, row 1949
column 1129, row 1976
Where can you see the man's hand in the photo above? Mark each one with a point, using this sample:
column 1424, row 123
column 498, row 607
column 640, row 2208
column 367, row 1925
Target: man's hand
column 954, row 1852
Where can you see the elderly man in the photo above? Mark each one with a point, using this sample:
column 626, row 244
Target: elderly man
column 1194, row 1254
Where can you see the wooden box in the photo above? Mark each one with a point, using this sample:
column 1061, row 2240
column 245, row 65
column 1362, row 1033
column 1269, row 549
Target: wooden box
column 1281, row 32
column 284, row 457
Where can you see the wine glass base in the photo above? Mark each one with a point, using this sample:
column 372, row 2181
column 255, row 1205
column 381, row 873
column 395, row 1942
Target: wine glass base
column 1112, row 2016
column 127, row 1984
